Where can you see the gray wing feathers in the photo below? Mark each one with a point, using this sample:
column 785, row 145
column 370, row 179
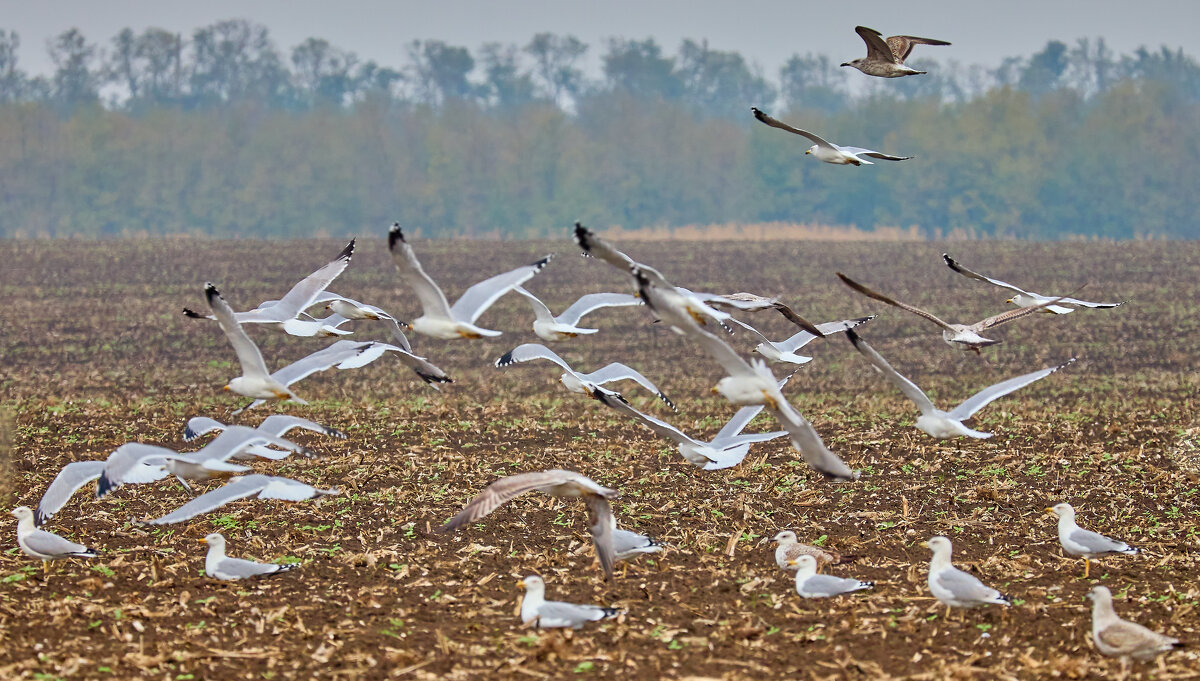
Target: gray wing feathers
column 616, row 401
column 595, row 301
column 982, row 398
column 475, row 300
column 238, row 488
column 830, row 585
column 433, row 301
column 66, row 483
column 302, row 295
column 1098, row 543
column 247, row 352
column 805, row 439
column 49, row 544
column 910, row 389
column 601, row 522
column 775, row 123
column 200, row 425
column 965, row 587
column 240, row 568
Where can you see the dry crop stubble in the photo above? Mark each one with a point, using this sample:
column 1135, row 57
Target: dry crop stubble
column 380, row 597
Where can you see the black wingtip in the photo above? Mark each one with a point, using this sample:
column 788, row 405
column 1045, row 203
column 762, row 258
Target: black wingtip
column 505, row 360
column 542, row 263
column 348, row 251
column 667, row 401
column 432, row 378
column 40, row 518
column 103, row 486
column 853, row 337
column 192, row 313
column 395, row 234
column 583, row 236
column 758, row 113
column 211, row 292
column 189, row 434
column 334, row 432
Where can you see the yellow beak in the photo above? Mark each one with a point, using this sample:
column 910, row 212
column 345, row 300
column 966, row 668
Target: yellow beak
column 225, row 388
column 521, row 584
column 202, row 541
column 792, row 563
column 1050, row 510
column 808, row 151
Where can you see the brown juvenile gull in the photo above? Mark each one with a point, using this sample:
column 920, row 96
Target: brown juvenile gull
column 828, row 151
column 1080, row 542
column 955, row 335
column 790, row 549
column 43, row 545
column 1121, row 638
column 219, row 566
column 1023, row 298
column 544, row 614
column 885, row 58
column 557, row 483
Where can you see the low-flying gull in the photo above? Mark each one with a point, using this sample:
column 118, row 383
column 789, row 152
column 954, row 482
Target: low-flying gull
column 277, row 425
column 1080, row 542
column 790, row 549
column 955, row 335
column 575, row 381
column 549, row 327
column 1023, row 298
column 727, row 449
column 828, row 151
column 348, row 354
column 538, row 612
column 627, row 543
column 1122, row 638
column 283, row 313
column 255, row 381
column 811, row 585
column 439, row 319
column 745, row 301
column 352, row 310
column 557, row 483
column 136, row 463
column 45, row 546
column 219, row 566
column 785, row 350
column 885, row 58
column 262, row 486
column 946, row 424
column 953, row 587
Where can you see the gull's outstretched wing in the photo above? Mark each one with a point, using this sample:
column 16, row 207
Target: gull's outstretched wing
column 620, row 372
column 877, row 48
column 954, row 265
column 265, row 486
column 774, row 123
column 991, row 393
column 910, row 389
column 326, row 358
column 803, row 338
column 247, row 352
column 601, row 523
column 132, row 462
column 1005, row 317
column 902, row 45
column 595, row 301
column 503, row 490
column 279, row 424
column 66, row 483
column 429, row 372
column 806, row 440
column 200, row 425
column 894, row 303
column 859, row 151
column 733, row 363
column 237, row 438
column 303, row 294
column 540, row 311
column 433, row 301
column 532, row 351
column 616, row 401
column 475, row 300
column 730, row 433
column 596, row 247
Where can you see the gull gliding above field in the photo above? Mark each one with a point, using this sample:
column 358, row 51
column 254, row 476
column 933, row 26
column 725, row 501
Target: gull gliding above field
column 828, row 151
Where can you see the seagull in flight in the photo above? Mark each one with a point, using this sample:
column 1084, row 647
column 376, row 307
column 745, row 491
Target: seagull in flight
column 575, row 381
column 828, row 151
column 255, row 381
column 550, row 327
column 885, row 58
column 1023, row 298
column 439, row 319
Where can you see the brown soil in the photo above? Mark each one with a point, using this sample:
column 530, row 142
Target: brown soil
column 96, row 354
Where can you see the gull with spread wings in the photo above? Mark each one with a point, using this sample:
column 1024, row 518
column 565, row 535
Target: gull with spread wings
column 575, row 381
column 557, row 483
column 551, row 327
column 955, row 335
column 946, row 424
column 284, row 313
column 828, row 151
column 255, row 381
column 1023, row 298
column 785, row 350
column 438, row 318
column 885, row 58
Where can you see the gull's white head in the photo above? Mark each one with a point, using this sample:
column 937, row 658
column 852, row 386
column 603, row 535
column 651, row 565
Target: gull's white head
column 804, row 563
column 811, row 150
column 785, row 536
column 22, row 513
column 215, row 540
column 1063, row 510
column 532, row 583
column 938, row 545
column 1100, row 594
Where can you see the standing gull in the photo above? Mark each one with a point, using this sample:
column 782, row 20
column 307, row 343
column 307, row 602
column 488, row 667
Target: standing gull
column 885, row 58
column 946, row 424
column 1023, row 298
column 728, row 448
column 439, row 319
column 953, row 587
column 955, row 335
column 1117, row 637
column 557, row 483
column 544, row 614
column 255, row 381
column 549, row 327
column 43, row 545
column 219, row 566
column 627, row 543
column 283, row 313
column 262, row 486
column 828, row 151
column 790, row 549
column 811, row 585
column 1080, row 542
column 575, row 381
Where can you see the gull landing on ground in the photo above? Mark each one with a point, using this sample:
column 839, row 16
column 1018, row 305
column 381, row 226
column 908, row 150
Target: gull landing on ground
column 828, row 151
column 946, row 424
column 885, row 58
column 439, row 319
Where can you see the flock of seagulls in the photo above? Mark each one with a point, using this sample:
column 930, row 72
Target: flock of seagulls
column 705, row 319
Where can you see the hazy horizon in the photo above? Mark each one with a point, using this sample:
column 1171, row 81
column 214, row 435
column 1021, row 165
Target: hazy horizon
column 767, row 36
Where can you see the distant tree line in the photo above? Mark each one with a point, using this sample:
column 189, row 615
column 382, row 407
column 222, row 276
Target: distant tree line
column 222, row 133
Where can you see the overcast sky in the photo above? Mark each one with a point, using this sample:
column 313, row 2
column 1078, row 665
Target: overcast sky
column 767, row 32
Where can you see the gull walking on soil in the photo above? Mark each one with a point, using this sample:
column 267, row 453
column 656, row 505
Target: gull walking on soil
column 1122, row 638
column 953, row 587
column 45, row 546
column 219, row 566
column 538, row 612
column 1080, row 542
column 790, row 549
